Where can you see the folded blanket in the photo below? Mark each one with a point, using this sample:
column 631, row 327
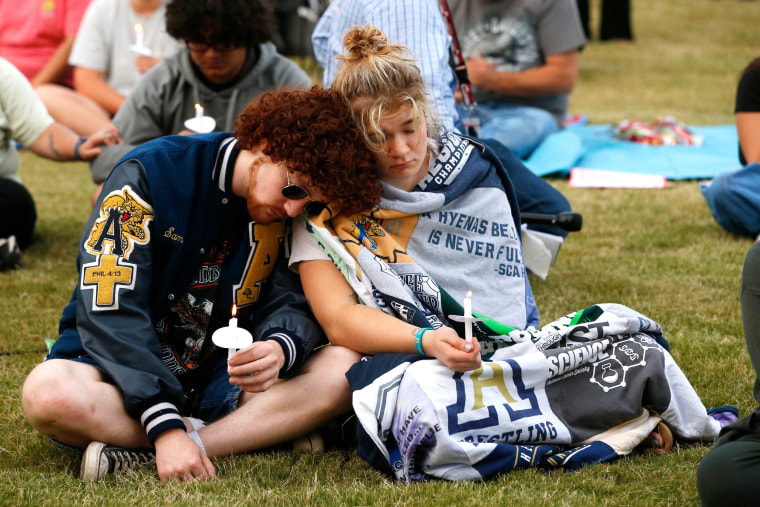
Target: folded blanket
column 584, row 389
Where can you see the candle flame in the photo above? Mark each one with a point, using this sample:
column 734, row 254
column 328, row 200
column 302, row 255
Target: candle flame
column 197, row 107
column 138, row 27
column 469, row 294
column 234, row 310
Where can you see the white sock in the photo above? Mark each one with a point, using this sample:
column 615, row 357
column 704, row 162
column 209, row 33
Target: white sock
column 197, row 439
column 195, row 423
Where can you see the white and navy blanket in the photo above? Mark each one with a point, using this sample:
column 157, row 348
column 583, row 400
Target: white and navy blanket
column 418, row 253
column 584, row 389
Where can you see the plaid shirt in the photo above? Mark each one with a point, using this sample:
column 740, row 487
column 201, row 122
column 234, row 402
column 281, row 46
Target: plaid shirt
column 416, row 24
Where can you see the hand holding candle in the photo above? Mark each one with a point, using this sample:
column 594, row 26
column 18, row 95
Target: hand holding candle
column 200, row 123
column 232, row 337
column 468, row 319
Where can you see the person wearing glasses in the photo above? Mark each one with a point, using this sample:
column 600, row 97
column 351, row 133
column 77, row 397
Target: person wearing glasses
column 186, row 227
column 227, row 59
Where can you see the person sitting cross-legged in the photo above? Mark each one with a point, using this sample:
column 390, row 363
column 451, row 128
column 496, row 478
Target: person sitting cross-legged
column 185, row 228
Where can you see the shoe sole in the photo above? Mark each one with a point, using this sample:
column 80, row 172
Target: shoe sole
column 90, row 469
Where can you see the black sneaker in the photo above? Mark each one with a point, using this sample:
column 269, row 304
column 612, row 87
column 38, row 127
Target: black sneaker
column 101, row 459
column 10, row 253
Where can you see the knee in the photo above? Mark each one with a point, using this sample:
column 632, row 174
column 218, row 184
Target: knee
column 732, row 204
column 336, row 361
column 53, row 94
column 347, row 357
column 710, row 480
column 329, row 369
column 47, row 396
column 542, row 121
column 729, row 472
column 720, row 191
column 343, row 355
column 45, row 91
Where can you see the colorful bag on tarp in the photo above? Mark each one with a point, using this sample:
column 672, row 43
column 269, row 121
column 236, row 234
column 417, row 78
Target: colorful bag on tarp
column 665, row 131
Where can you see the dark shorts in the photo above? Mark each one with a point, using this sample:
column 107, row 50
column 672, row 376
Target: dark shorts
column 210, row 402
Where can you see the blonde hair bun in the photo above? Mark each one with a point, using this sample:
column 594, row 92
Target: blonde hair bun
column 377, row 77
column 367, row 41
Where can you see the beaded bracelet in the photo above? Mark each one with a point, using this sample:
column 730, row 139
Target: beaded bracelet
column 77, row 145
column 418, row 340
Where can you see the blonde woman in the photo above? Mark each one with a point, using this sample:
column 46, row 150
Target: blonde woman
column 446, row 226
column 394, row 282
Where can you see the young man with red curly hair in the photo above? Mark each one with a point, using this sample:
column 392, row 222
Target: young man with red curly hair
column 185, row 228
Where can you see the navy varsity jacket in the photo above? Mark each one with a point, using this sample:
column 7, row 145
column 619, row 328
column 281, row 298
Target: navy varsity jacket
column 167, row 221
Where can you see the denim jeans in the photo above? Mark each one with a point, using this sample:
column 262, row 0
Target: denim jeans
column 734, row 199
column 519, row 128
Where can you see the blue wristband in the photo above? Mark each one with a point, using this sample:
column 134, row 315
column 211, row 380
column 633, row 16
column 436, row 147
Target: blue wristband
column 77, row 145
column 418, row 340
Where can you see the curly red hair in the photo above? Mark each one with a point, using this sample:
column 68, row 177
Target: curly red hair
column 313, row 133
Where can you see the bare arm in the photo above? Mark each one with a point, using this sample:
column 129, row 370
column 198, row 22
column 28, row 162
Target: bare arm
column 748, row 128
column 57, row 65
column 90, row 82
column 58, row 142
column 558, row 75
column 371, row 331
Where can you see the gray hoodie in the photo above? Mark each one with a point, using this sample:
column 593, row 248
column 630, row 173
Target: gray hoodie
column 166, row 96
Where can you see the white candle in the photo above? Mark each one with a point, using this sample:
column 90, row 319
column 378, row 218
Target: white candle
column 200, row 123
column 232, row 337
column 138, row 35
column 233, row 319
column 232, row 324
column 468, row 317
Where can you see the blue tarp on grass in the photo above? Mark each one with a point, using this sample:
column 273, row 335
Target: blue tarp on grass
column 592, row 147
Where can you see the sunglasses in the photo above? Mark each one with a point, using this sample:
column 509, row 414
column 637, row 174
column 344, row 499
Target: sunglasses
column 296, row 193
column 202, row 47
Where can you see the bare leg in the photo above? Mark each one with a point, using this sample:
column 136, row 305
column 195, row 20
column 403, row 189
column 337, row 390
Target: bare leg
column 68, row 107
column 290, row 409
column 69, row 402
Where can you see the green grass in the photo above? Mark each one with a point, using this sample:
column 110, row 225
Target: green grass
column 657, row 251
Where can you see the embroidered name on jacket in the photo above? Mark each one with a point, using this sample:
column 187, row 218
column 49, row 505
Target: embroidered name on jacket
column 122, row 224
